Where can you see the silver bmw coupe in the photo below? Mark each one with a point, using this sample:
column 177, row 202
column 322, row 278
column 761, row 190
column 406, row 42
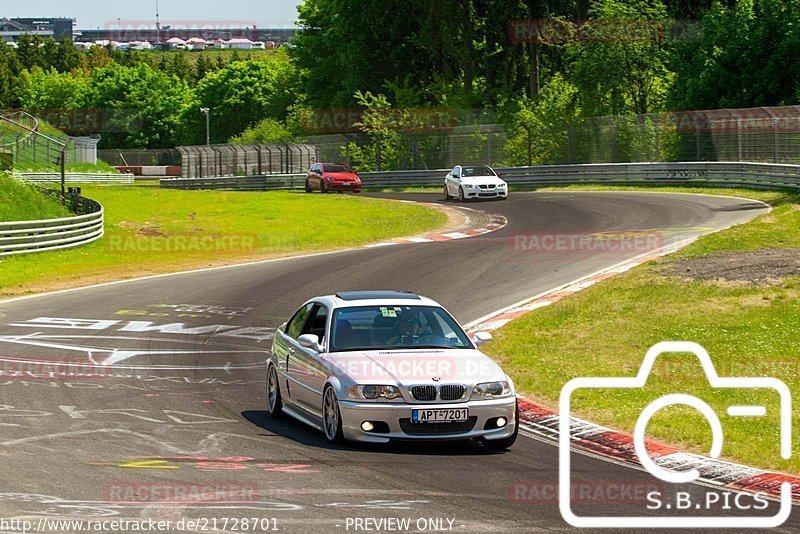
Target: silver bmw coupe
column 376, row 366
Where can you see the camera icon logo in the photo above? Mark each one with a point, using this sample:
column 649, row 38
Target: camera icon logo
column 675, row 477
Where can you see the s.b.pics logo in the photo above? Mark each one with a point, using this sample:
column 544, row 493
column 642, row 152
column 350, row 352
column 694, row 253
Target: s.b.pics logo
column 683, row 504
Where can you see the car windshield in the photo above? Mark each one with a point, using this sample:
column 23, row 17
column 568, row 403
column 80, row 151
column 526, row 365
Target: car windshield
column 337, row 168
column 395, row 327
column 481, row 170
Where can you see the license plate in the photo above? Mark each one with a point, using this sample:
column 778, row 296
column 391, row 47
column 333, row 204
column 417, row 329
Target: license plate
column 445, row 415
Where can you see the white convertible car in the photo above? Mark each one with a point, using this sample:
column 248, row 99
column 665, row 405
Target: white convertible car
column 474, row 182
column 377, row 366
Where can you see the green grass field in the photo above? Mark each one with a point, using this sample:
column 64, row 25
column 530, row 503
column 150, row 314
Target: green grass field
column 151, row 230
column 23, row 202
column 99, row 167
column 605, row 330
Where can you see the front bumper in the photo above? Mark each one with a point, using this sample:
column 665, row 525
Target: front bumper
column 343, row 186
column 486, row 193
column 355, row 413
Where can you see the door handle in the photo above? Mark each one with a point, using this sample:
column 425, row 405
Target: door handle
column 291, row 351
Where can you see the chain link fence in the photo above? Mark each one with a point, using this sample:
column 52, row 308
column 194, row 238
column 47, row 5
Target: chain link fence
column 246, row 160
column 765, row 134
column 129, row 157
column 26, row 144
column 769, row 135
column 22, row 145
column 408, row 150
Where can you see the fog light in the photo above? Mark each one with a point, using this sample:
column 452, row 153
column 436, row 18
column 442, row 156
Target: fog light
column 501, row 421
column 366, row 426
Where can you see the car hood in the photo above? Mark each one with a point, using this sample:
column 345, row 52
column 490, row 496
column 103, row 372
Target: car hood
column 408, row 367
column 482, row 180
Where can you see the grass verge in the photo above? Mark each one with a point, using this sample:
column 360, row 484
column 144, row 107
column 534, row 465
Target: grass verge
column 605, row 330
column 23, row 202
column 151, row 230
column 99, row 167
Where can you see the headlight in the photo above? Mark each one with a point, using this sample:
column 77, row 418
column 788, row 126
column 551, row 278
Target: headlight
column 491, row 390
column 371, row 392
column 469, row 186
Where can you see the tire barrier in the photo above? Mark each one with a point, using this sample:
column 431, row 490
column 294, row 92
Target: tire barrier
column 21, row 237
column 75, row 178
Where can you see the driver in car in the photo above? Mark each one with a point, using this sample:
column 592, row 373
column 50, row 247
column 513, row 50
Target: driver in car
column 405, row 330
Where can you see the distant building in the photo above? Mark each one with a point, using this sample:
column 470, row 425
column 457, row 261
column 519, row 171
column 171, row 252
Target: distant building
column 196, row 43
column 58, row 28
column 277, row 35
column 176, row 43
column 241, row 44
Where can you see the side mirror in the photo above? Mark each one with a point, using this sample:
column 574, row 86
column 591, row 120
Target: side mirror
column 481, row 338
column 309, row 341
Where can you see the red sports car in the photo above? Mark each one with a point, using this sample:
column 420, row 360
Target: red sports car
column 332, row 177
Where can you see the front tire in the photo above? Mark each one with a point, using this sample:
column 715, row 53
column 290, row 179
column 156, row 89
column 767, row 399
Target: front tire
column 274, row 400
column 447, row 195
column 331, row 417
column 322, row 188
column 504, row 443
column 461, row 197
column 308, row 187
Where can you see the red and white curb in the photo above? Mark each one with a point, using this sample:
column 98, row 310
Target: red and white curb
column 495, row 223
column 592, row 438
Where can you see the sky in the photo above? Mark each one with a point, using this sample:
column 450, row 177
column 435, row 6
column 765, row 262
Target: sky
column 178, row 13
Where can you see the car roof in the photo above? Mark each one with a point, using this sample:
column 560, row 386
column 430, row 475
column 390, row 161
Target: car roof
column 376, row 295
column 374, row 298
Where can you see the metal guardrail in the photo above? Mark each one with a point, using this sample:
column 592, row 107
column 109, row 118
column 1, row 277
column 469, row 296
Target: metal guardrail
column 21, row 237
column 705, row 173
column 76, row 177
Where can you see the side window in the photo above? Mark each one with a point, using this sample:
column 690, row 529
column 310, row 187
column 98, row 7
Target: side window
column 295, row 326
column 457, row 171
column 316, row 321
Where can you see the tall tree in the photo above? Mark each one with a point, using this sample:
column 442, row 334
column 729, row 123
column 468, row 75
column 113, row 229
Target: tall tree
column 147, row 105
column 744, row 57
column 620, row 63
column 245, row 92
column 31, row 51
column 66, row 57
column 10, row 71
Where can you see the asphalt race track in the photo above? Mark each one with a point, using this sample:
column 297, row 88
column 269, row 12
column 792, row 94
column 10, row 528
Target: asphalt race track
column 179, row 403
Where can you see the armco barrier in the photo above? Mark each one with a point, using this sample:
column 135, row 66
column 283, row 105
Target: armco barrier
column 710, row 173
column 76, row 178
column 52, row 234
